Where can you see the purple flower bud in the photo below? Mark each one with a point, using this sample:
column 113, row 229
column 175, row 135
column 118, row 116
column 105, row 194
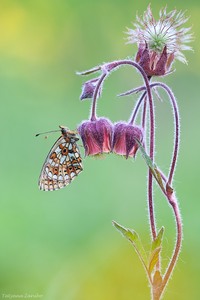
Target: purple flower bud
column 88, row 89
column 125, row 139
column 96, row 136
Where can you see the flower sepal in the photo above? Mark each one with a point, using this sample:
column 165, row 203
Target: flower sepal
column 90, row 71
column 125, row 137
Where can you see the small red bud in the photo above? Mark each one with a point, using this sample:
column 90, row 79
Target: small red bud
column 88, row 89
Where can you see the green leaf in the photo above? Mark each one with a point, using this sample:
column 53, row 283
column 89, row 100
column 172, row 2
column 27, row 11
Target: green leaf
column 154, row 170
column 158, row 241
column 146, row 157
column 159, row 179
column 133, row 237
column 130, row 234
column 153, row 259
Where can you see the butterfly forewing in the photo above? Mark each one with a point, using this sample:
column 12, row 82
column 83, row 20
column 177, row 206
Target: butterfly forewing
column 63, row 163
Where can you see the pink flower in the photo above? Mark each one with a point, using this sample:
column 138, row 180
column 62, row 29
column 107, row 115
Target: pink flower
column 160, row 41
column 96, row 136
column 125, row 138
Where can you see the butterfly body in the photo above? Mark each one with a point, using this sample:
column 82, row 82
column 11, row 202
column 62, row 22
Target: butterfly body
column 63, row 163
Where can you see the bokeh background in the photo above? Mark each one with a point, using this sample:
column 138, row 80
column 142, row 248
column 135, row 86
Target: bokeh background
column 62, row 245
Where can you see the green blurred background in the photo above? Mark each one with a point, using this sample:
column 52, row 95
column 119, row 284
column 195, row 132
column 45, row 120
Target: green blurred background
column 61, row 245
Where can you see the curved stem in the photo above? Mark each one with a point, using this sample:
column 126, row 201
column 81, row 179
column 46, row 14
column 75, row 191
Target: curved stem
column 176, row 124
column 143, row 121
column 144, row 113
column 107, row 68
column 173, row 202
column 169, row 192
column 118, row 63
column 110, row 67
column 94, row 100
column 150, row 176
column 177, row 129
column 170, row 195
column 136, row 108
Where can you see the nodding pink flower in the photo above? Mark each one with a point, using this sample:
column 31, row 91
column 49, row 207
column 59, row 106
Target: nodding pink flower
column 125, row 137
column 160, row 41
column 96, row 136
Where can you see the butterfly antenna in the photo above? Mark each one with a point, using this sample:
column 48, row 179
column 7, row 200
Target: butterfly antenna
column 46, row 132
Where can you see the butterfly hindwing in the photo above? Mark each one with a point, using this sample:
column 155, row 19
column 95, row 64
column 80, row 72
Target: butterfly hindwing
column 63, row 163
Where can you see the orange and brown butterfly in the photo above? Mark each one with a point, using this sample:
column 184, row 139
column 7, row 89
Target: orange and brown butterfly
column 63, row 163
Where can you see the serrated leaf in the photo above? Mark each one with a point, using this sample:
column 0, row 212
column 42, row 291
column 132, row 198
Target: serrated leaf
column 158, row 241
column 134, row 238
column 154, row 259
column 157, row 280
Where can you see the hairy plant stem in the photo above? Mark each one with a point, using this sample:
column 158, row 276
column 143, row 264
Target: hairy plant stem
column 173, row 202
column 107, row 68
column 176, row 122
column 147, row 94
column 144, row 114
column 93, row 116
column 176, row 126
column 136, row 109
column 158, row 292
column 169, row 191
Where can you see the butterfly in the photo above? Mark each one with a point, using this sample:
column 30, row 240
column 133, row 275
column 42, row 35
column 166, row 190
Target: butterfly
column 63, row 163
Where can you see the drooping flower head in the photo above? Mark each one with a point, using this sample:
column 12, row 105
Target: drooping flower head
column 96, row 136
column 125, row 138
column 160, row 42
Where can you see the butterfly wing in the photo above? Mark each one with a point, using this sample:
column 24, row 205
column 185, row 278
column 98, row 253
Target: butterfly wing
column 62, row 165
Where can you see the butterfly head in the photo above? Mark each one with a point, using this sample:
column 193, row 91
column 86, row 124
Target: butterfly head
column 66, row 132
